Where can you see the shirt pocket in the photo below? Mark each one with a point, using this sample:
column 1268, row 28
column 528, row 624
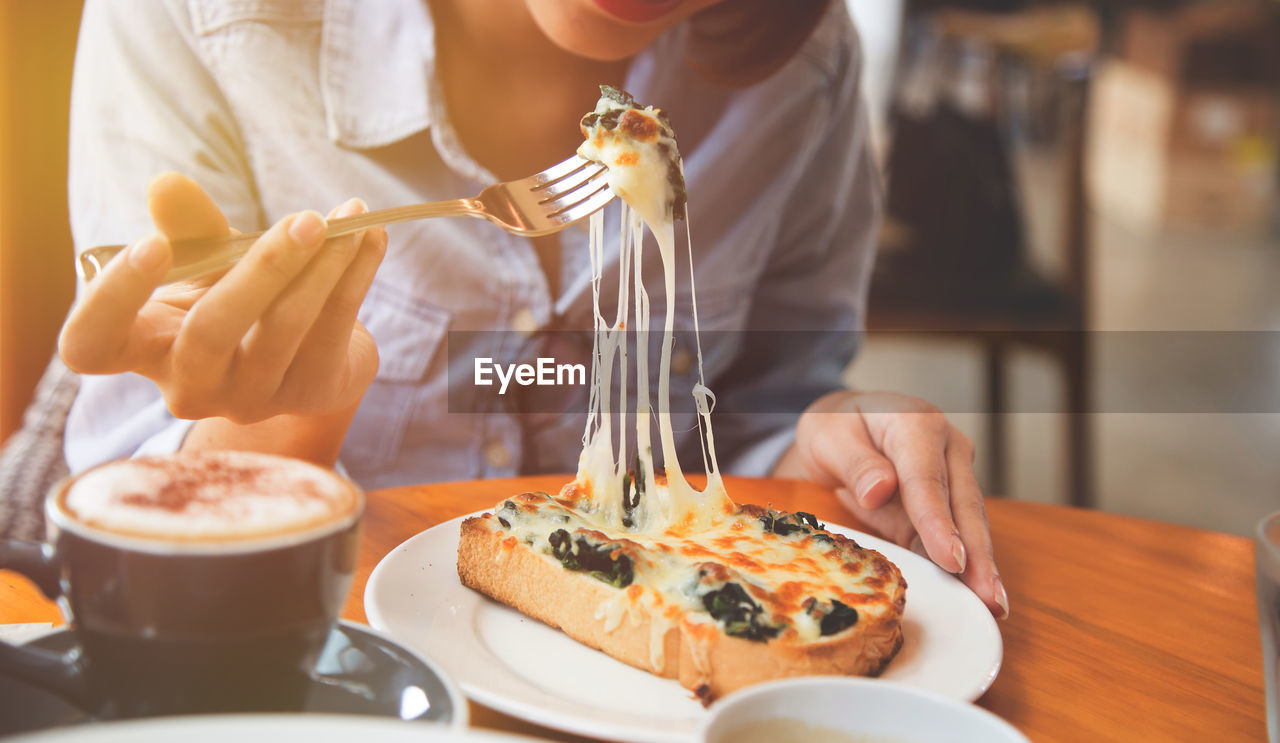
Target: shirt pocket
column 409, row 332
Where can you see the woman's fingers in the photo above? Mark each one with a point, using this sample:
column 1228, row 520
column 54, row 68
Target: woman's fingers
column 336, row 344
column 96, row 336
column 889, row 521
column 840, row 453
column 181, row 210
column 102, row 333
column 916, row 442
column 213, row 328
column 271, row 345
column 970, row 513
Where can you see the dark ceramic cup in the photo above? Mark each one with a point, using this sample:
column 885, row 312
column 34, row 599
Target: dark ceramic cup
column 193, row 583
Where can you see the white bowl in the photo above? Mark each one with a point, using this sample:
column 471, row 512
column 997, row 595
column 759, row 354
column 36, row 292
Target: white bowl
column 864, row 710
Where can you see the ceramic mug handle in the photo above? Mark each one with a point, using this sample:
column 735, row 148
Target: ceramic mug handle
column 58, row 673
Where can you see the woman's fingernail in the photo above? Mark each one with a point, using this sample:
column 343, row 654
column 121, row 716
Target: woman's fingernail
column 866, row 484
column 146, row 255
column 353, row 207
column 957, row 551
column 307, row 229
column 1002, row 598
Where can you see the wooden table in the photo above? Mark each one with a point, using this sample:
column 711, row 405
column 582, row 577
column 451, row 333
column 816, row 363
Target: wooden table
column 1121, row 629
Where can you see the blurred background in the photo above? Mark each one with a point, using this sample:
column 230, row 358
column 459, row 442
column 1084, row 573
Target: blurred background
column 1079, row 261
column 1081, row 257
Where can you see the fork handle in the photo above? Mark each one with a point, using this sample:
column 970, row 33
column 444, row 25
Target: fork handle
column 195, row 258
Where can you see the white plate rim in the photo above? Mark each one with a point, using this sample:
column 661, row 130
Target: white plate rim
column 321, row 727
column 573, row 718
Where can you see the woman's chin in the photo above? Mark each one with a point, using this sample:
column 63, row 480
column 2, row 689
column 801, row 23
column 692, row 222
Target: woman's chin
column 609, row 30
column 639, row 11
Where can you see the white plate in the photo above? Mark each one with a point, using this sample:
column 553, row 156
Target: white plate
column 523, row 667
column 310, row 727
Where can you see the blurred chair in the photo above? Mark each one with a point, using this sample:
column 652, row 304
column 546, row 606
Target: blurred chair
column 31, row 461
column 954, row 253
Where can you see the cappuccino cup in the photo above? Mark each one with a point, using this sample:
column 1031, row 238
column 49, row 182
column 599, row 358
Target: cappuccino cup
column 197, row 582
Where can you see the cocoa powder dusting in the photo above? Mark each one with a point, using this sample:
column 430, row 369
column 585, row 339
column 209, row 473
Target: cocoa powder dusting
column 207, row 482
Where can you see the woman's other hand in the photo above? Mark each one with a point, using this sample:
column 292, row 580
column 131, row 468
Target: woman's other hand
column 900, row 466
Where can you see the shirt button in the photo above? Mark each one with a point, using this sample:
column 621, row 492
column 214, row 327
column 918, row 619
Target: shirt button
column 524, row 321
column 497, row 455
column 681, row 361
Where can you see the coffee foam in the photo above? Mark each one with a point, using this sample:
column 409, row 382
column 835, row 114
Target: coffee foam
column 207, row 498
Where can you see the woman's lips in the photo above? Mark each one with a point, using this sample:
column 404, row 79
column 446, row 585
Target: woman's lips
column 638, row 11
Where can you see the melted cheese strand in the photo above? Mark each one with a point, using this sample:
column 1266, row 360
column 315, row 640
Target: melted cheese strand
column 594, row 245
column 702, row 393
column 603, row 342
column 640, row 326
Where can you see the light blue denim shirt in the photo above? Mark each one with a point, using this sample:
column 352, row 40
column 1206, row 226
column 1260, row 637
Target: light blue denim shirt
column 280, row 105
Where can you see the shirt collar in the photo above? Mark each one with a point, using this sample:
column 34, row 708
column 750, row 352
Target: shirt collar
column 377, row 70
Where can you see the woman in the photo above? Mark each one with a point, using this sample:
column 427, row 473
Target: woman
column 274, row 107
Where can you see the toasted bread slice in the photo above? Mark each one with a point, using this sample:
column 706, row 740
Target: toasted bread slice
column 638, row 625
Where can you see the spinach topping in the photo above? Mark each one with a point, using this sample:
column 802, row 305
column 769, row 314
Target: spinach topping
column 618, row 96
column 836, row 616
column 780, row 525
column 739, row 613
column 580, row 555
column 784, row 524
column 632, row 489
column 511, row 510
column 608, row 120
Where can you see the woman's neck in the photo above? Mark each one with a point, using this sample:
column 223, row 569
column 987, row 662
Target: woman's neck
column 512, row 95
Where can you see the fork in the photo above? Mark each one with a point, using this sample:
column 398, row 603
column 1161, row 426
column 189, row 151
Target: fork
column 541, row 204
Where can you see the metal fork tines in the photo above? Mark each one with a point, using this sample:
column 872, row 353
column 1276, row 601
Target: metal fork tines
column 540, row 204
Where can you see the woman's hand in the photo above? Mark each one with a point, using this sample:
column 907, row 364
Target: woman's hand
column 905, row 471
column 275, row 335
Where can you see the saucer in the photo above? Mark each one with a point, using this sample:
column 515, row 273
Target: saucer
column 359, row 672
